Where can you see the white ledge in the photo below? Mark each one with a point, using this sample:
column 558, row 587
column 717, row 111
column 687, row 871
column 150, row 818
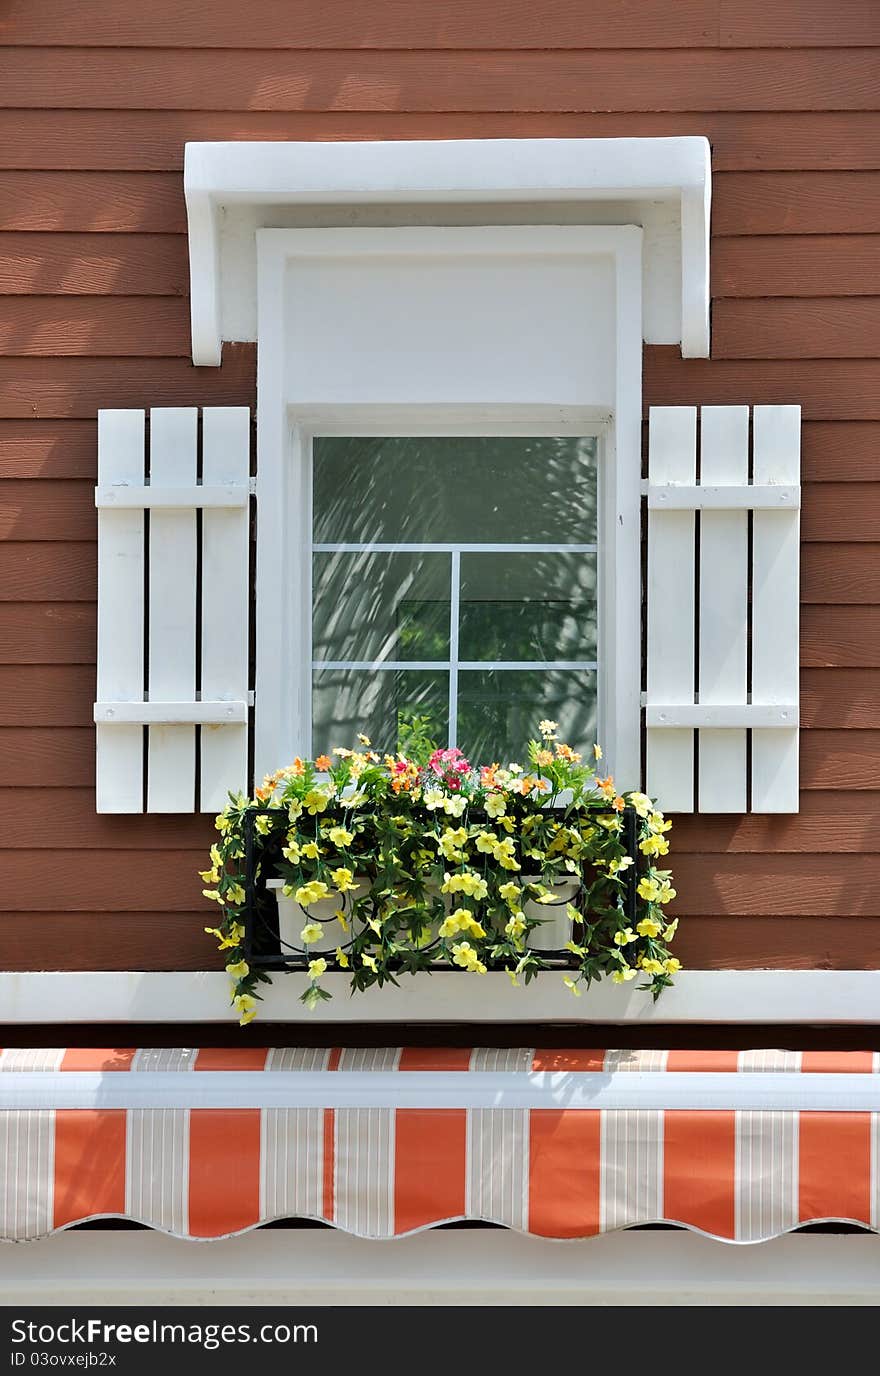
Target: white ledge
column 698, row 996
column 261, row 177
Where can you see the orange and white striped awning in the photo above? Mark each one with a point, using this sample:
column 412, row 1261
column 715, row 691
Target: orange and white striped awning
column 206, row 1143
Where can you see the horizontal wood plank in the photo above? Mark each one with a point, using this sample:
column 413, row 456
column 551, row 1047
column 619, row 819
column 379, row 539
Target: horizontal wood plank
column 306, row 24
column 814, row 327
column 45, row 695
column 38, row 756
column 79, row 387
column 840, row 760
column 64, row 264
column 809, row 265
column 49, row 449
column 472, row 81
column 47, row 633
column 142, row 201
column 152, row 141
column 840, row 452
column 778, row 943
column 796, row 203
column 827, row 389
column 95, row 326
column 47, row 570
column 798, row 23
column 828, row 823
column 848, row 637
column 177, row 941
column 26, row 825
column 841, row 573
column 126, row 881
column 98, row 941
column 34, row 509
column 848, row 698
column 841, row 511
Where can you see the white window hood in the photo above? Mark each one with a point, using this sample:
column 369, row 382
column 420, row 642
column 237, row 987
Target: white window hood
column 662, row 185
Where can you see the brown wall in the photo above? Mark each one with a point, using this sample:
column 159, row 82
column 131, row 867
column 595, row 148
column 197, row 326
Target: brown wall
column 96, row 103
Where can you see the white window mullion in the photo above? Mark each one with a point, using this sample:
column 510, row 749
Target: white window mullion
column 454, row 604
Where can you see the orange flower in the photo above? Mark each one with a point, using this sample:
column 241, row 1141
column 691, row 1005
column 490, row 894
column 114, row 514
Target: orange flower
column 297, row 767
column 323, row 762
column 261, row 794
column 606, row 786
column 618, row 804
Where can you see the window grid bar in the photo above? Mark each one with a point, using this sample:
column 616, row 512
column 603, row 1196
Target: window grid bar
column 502, row 665
column 387, row 548
column 454, row 601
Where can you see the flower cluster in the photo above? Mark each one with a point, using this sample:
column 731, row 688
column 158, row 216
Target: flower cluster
column 447, row 862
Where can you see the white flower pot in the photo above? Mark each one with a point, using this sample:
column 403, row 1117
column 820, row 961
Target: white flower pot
column 292, row 917
column 555, row 929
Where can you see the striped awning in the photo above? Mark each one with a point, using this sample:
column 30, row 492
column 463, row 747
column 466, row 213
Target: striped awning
column 742, row 1145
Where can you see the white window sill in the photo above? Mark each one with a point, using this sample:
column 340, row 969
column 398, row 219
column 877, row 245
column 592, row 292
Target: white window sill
column 698, row 996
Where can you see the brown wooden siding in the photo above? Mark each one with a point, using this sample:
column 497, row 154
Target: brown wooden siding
column 93, row 271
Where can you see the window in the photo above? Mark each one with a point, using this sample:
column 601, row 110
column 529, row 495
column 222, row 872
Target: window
column 454, row 590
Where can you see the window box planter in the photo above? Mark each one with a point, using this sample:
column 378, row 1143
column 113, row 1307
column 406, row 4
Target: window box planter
column 385, row 867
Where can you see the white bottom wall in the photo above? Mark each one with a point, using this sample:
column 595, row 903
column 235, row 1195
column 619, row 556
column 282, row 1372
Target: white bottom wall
column 457, row 1267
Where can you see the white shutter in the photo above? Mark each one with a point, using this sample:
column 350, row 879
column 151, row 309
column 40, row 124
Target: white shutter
column 717, row 736
column 172, row 709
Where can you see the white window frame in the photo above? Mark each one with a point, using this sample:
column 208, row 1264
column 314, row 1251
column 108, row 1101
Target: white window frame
column 283, row 681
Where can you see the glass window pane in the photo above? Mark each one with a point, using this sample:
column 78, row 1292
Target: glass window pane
column 528, row 606
column 393, row 707
column 380, row 606
column 455, row 489
column 499, row 710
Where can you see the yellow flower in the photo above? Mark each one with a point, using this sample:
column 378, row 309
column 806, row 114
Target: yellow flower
column 667, row 892
column 317, row 968
column 232, row 938
column 311, row 893
column 450, row 842
column 370, row 963
column 246, row 1007
column 496, row 805
column 291, row 853
column 364, row 740
column 649, row 926
column 454, row 806
column 223, row 821
column 570, row 984
column 622, row 976
column 433, row 798
column 486, row 843
column 262, row 825
column 311, row 932
column 657, row 822
column 503, row 853
column 465, row 956
column 510, row 892
column 235, row 894
column 239, row 970
column 340, row 837
column 213, row 895
column 655, row 844
column 294, row 809
column 597, row 752
column 650, row 966
column 210, row 876
column 311, row 850
column 341, row 958
column 641, row 803
column 316, row 800
column 672, row 966
column 649, row 889
column 548, row 729
column 515, row 926
column 343, row 879
column 669, row 932
column 625, row 937
column 511, row 975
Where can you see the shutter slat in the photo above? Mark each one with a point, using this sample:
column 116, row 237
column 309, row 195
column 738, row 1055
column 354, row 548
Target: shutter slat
column 723, row 617
column 120, row 749
column 671, row 578
column 172, row 623
column 775, row 608
column 225, row 550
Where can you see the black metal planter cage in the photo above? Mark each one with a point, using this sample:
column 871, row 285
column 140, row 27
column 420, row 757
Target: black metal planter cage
column 263, row 947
